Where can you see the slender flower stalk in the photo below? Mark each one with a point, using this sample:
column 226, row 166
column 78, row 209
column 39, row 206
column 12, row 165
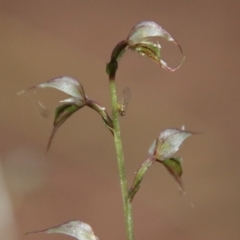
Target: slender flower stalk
column 120, row 159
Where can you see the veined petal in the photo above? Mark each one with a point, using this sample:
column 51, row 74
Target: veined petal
column 169, row 142
column 77, row 229
column 147, row 29
column 140, row 39
column 65, row 84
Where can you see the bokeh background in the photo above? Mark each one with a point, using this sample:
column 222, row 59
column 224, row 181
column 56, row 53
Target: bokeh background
column 44, row 39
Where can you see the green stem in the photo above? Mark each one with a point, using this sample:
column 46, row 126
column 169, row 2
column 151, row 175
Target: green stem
column 120, row 158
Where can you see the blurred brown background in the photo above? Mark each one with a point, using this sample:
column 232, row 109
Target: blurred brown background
column 79, row 180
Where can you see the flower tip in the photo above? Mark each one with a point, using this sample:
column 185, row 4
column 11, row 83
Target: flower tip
column 181, row 63
column 170, row 69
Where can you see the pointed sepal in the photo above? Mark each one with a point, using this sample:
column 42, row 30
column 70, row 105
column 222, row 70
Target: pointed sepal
column 174, row 166
column 62, row 113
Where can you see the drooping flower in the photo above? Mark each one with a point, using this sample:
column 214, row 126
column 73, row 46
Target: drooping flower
column 69, row 106
column 142, row 39
column 165, row 146
column 162, row 150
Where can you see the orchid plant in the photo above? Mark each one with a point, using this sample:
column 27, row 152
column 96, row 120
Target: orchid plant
column 143, row 40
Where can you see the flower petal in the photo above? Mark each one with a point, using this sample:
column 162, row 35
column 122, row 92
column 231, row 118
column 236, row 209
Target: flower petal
column 76, row 229
column 147, row 29
column 139, row 41
column 169, row 142
column 65, row 84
